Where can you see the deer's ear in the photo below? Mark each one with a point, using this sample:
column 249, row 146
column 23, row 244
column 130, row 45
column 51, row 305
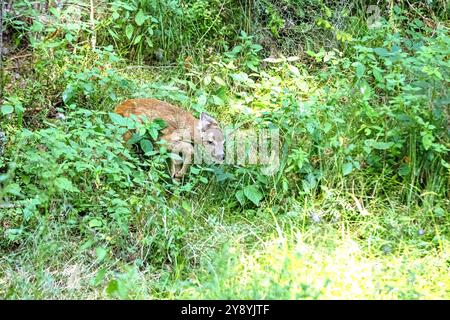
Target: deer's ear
column 206, row 121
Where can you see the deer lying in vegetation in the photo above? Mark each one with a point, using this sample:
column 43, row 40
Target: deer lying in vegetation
column 183, row 130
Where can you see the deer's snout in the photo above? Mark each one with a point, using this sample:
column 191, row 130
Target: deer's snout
column 220, row 156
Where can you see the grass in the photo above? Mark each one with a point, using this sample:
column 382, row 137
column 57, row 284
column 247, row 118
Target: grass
column 253, row 255
column 358, row 210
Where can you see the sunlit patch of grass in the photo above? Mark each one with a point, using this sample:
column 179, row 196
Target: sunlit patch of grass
column 290, row 268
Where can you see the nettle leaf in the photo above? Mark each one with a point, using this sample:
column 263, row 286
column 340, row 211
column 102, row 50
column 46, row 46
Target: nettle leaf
column 95, row 223
column 129, row 31
column 118, row 119
column 137, row 39
column 381, row 145
column 160, row 123
column 427, row 140
column 65, row 184
column 7, row 109
column 207, row 80
column 240, row 77
column 68, row 93
column 135, row 138
column 14, row 189
column 360, row 69
column 253, row 194
column 294, row 70
column 217, row 101
column 404, row 170
column 146, row 145
column 219, row 81
column 382, row 52
column 377, row 74
column 140, row 18
column 347, row 168
column 240, row 197
column 202, row 100
column 101, row 253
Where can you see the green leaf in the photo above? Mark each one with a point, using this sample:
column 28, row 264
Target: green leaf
column 129, row 31
column 360, row 69
column 427, row 140
column 95, row 223
column 149, row 42
column 112, row 287
column 381, row 145
column 253, row 194
column 153, row 133
column 404, row 170
column 101, row 253
column 118, row 119
column 347, row 168
column 202, row 100
column 377, row 75
column 207, row 80
column 14, row 189
column 217, row 101
column 68, row 94
column 195, row 170
column 240, row 197
column 219, row 81
column 240, row 77
column 140, row 18
column 439, row 212
column 101, row 273
column 137, row 39
column 382, row 52
column 146, row 145
column 134, row 139
column 63, row 183
column 7, row 109
column 294, row 70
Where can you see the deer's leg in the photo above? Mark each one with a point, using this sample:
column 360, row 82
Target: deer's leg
column 180, row 167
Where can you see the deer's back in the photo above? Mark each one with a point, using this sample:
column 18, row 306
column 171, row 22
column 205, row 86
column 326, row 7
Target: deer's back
column 176, row 118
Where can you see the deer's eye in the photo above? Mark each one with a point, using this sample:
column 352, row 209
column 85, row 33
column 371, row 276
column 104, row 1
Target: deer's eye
column 210, row 142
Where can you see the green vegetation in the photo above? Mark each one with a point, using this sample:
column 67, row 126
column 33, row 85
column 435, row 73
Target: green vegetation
column 359, row 207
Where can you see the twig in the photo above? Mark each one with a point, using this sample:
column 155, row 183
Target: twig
column 22, row 56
